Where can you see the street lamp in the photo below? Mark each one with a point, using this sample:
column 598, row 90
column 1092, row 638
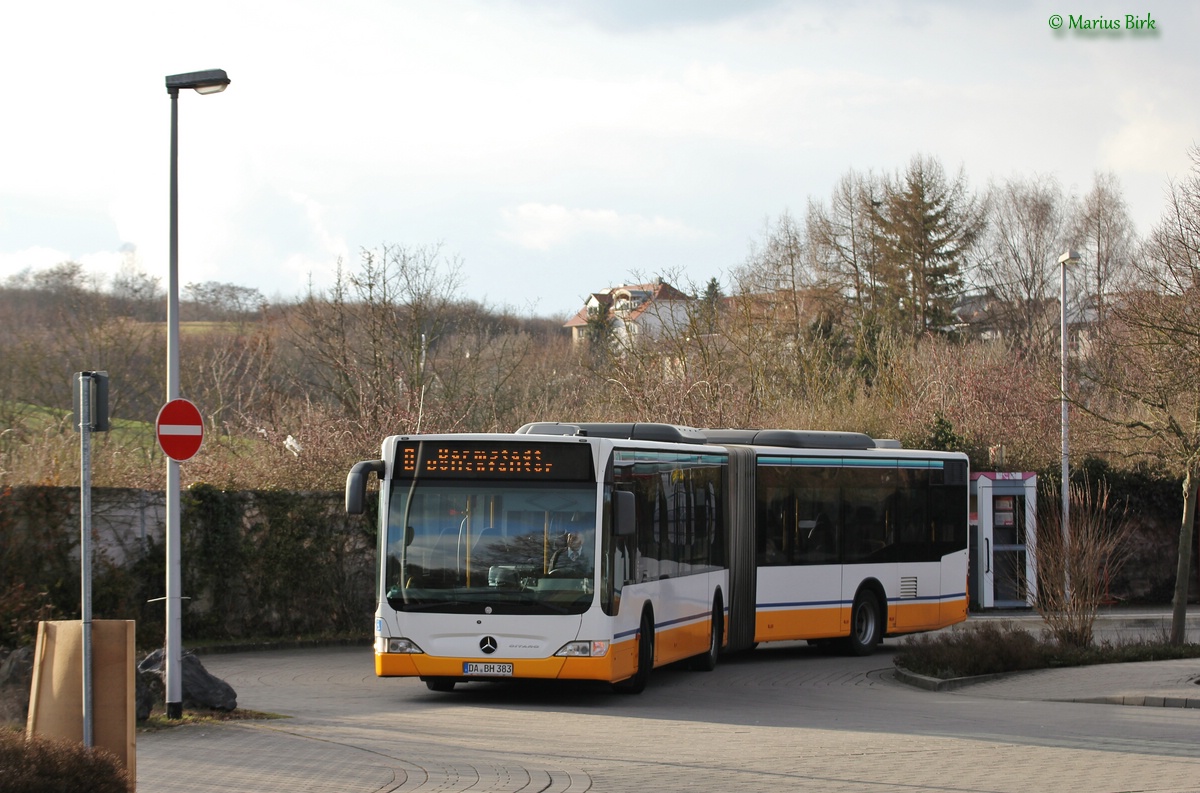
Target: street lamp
column 1071, row 257
column 207, row 82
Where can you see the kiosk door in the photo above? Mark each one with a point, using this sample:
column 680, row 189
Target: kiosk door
column 1001, row 568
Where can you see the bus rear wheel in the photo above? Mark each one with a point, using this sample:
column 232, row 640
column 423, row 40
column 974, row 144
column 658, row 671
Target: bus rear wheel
column 637, row 683
column 866, row 624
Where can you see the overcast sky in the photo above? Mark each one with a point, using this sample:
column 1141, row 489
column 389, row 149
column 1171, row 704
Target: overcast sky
column 553, row 147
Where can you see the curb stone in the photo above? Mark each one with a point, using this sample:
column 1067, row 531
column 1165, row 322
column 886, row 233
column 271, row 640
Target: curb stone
column 946, row 684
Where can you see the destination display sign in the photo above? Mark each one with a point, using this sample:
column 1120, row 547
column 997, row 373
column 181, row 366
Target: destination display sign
column 456, row 459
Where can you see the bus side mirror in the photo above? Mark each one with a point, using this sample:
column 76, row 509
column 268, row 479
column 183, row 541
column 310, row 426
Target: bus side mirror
column 356, row 484
column 624, row 515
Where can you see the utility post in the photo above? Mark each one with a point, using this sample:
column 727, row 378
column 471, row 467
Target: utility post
column 91, row 415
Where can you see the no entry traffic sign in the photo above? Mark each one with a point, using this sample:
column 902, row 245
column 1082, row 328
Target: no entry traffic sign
column 180, row 429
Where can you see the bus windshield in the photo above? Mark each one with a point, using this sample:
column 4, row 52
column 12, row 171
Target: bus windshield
column 474, row 546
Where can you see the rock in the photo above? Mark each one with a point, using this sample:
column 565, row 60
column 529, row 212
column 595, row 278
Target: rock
column 16, row 677
column 200, row 688
column 149, row 692
column 17, row 668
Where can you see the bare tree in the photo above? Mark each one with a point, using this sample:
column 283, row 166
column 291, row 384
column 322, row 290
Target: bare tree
column 773, row 301
column 1026, row 234
column 1144, row 363
column 366, row 340
column 140, row 295
column 780, row 272
column 844, row 241
column 1103, row 231
column 1072, row 568
column 231, row 372
column 215, row 300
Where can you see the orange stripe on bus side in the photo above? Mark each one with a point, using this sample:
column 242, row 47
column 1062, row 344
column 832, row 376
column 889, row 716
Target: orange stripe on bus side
column 904, row 617
column 681, row 642
column 790, row 624
column 834, row 621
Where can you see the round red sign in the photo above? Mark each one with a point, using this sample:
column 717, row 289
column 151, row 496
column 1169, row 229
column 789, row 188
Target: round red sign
column 180, row 429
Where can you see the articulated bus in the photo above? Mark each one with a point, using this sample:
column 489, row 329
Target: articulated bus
column 686, row 543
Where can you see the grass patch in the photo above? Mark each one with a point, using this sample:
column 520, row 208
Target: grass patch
column 997, row 647
column 158, row 719
column 39, row 419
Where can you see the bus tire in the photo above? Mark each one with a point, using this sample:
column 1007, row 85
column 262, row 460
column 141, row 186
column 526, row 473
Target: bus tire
column 637, row 683
column 707, row 661
column 866, row 624
column 440, row 684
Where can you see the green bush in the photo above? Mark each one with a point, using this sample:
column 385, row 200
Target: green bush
column 255, row 565
column 40, row 579
column 43, row 765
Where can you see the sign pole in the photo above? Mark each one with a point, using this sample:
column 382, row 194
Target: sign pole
column 90, row 415
column 173, row 682
column 180, row 431
column 85, row 543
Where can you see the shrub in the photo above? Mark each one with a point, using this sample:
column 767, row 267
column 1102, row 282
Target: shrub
column 987, row 648
column 1073, row 572
column 43, row 765
column 993, row 647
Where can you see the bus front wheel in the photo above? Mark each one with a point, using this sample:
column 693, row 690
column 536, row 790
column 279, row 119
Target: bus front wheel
column 637, row 683
column 866, row 624
column 440, row 684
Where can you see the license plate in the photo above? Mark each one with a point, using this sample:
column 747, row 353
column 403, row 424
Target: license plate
column 487, row 670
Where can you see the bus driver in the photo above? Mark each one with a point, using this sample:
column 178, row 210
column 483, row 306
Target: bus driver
column 573, row 555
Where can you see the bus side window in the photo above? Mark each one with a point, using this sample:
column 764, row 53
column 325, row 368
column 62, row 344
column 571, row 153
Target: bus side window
column 772, row 549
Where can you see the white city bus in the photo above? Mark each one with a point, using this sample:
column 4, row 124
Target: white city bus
column 692, row 542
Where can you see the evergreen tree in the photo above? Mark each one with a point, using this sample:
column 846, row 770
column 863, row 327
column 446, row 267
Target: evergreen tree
column 710, row 305
column 599, row 333
column 926, row 224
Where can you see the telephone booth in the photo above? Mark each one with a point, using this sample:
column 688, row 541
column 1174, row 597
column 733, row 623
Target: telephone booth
column 1003, row 529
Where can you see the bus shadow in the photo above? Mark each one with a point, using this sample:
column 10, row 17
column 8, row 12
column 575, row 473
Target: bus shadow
column 783, row 665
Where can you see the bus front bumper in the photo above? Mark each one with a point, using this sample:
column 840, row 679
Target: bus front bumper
column 619, row 663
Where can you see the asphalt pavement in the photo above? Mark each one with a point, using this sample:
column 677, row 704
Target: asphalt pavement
column 329, row 748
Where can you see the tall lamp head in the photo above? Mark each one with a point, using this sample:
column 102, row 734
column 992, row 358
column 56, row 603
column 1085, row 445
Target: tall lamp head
column 210, row 81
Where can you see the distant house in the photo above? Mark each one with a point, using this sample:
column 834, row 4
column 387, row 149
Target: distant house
column 979, row 314
column 985, row 316
column 635, row 312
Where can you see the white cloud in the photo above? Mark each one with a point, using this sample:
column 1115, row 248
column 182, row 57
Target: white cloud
column 31, row 259
column 98, row 265
column 545, row 226
column 370, row 121
column 1146, row 135
column 330, row 243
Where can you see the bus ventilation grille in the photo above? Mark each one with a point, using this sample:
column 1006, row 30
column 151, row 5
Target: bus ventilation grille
column 908, row 587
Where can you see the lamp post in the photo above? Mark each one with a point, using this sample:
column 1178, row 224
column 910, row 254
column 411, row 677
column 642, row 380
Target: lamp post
column 207, row 82
column 1069, row 258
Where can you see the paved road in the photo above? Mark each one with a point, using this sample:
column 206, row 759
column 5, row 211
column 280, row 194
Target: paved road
column 781, row 718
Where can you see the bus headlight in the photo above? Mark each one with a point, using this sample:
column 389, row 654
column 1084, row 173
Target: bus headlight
column 596, row 649
column 386, row 644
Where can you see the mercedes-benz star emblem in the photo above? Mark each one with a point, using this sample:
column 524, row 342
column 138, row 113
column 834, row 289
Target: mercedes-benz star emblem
column 488, row 644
